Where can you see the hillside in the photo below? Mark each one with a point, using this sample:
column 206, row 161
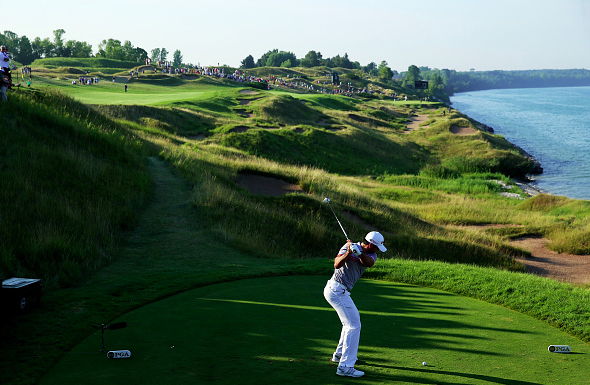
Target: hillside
column 272, row 132
column 83, row 165
column 294, row 134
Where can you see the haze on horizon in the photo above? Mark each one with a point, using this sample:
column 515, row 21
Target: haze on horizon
column 452, row 34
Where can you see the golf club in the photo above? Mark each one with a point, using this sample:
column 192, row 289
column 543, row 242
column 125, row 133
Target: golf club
column 327, row 200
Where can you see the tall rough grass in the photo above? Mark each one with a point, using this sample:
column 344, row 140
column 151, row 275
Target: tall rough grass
column 293, row 226
column 71, row 180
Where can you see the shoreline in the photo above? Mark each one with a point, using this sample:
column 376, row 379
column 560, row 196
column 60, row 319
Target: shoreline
column 550, row 123
column 524, row 184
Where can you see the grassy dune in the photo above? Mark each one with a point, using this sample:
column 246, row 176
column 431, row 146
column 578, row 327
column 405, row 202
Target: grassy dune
column 80, row 180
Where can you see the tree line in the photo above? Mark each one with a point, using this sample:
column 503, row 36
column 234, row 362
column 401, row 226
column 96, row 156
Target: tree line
column 286, row 59
column 485, row 80
column 25, row 51
column 441, row 82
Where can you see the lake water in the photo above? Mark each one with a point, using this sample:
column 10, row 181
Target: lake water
column 551, row 124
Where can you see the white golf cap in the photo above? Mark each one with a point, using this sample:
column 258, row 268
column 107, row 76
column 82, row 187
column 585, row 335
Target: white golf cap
column 376, row 239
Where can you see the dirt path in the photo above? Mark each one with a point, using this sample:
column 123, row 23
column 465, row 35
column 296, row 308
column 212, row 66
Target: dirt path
column 548, row 263
column 415, row 124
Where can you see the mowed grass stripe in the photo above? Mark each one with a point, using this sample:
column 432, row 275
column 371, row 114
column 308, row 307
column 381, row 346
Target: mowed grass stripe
column 281, row 330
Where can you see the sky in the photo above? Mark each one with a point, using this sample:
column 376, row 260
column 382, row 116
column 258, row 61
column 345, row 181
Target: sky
column 452, row 34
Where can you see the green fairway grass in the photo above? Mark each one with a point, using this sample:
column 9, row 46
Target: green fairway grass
column 141, row 93
column 281, row 330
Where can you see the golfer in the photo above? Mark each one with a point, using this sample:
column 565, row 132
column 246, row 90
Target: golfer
column 350, row 263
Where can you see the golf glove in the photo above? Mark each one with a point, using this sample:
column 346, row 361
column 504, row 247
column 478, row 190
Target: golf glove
column 356, row 250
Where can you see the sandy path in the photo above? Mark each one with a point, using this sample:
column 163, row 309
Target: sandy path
column 545, row 262
column 548, row 263
column 415, row 124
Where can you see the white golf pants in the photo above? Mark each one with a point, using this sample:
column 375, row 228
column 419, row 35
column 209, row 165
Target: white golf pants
column 348, row 346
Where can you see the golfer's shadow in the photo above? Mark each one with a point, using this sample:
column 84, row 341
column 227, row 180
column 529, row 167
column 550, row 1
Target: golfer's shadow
column 408, row 378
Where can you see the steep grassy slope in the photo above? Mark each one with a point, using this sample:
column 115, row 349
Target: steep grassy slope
column 70, row 180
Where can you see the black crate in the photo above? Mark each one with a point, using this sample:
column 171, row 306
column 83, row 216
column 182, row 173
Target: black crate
column 20, row 294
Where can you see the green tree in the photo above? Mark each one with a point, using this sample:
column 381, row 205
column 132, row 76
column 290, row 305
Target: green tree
column 287, row 64
column 384, row 71
column 341, row 61
column 261, row 62
column 25, row 53
column 139, row 55
column 163, row 54
column 436, row 87
column 58, row 42
column 42, row 48
column 411, row 76
column 128, row 51
column 311, row 59
column 177, row 58
column 370, row 68
column 277, row 58
column 111, row 49
column 78, row 48
column 248, row 62
column 10, row 40
column 155, row 55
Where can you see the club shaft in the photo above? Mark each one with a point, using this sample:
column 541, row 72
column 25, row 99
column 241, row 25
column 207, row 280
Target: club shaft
column 338, row 220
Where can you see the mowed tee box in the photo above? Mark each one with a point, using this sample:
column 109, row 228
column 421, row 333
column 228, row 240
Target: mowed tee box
column 20, row 294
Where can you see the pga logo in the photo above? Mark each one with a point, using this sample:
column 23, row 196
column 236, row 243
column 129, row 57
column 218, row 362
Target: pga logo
column 119, row 354
column 560, row 349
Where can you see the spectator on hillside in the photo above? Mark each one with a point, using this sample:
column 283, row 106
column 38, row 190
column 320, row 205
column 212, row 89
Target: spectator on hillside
column 5, row 63
column 3, row 88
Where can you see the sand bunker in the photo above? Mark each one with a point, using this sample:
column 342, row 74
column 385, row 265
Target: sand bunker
column 357, row 118
column 240, row 129
column 267, row 186
column 463, row 130
column 244, row 114
column 245, row 102
column 248, row 92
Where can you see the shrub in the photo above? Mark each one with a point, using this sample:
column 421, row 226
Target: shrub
column 367, row 95
column 257, row 85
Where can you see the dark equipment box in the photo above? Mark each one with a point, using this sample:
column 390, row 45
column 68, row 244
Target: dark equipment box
column 20, row 294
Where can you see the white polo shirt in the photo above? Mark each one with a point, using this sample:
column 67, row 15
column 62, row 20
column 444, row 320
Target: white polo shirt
column 3, row 63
